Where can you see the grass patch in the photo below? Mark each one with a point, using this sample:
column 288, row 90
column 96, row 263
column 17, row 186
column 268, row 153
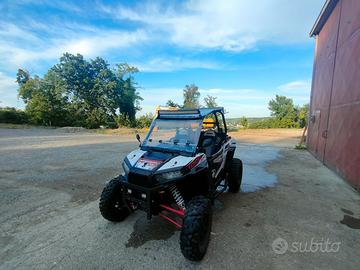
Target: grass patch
column 122, row 131
column 300, row 147
column 16, row 126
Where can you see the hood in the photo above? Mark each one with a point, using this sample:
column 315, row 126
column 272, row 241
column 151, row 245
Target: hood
column 152, row 160
column 157, row 161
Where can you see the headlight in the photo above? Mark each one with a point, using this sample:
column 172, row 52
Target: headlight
column 169, row 175
column 126, row 168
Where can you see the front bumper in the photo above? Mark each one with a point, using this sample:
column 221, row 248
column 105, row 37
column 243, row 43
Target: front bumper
column 147, row 199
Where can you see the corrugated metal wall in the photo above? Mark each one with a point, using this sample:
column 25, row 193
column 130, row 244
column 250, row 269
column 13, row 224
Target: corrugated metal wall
column 334, row 129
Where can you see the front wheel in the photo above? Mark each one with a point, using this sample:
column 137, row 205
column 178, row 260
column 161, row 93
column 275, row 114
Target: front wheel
column 195, row 232
column 112, row 205
column 235, row 175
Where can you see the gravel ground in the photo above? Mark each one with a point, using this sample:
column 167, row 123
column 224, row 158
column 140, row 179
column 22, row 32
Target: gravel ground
column 49, row 219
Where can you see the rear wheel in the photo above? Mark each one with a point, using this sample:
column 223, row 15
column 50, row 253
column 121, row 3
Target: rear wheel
column 112, row 205
column 195, row 233
column 235, row 175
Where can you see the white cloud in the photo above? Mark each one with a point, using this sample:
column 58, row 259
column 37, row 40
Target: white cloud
column 91, row 42
column 298, row 90
column 57, row 4
column 6, row 83
column 232, row 25
column 8, row 92
column 159, row 96
column 168, row 64
column 227, row 25
column 239, row 102
column 10, row 31
column 202, row 25
column 296, row 87
column 19, row 47
column 95, row 45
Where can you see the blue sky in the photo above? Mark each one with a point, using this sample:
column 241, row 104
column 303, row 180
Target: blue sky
column 242, row 53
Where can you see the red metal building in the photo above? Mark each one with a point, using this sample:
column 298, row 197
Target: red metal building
column 334, row 126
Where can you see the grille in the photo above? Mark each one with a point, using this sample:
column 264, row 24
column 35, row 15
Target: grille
column 141, row 180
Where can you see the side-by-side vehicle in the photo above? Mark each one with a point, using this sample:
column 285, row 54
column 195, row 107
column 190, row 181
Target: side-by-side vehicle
column 185, row 161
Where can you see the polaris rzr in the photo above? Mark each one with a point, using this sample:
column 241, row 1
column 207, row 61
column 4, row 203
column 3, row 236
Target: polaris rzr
column 185, row 161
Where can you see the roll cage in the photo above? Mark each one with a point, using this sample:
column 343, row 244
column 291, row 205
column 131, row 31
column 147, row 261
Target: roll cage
column 211, row 120
column 201, row 113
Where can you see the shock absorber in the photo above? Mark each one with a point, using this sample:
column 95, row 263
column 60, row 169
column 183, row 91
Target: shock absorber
column 177, row 196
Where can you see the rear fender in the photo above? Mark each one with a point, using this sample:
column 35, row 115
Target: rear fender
column 230, row 154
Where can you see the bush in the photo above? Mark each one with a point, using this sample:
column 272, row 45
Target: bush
column 232, row 129
column 266, row 123
column 275, row 123
column 96, row 118
column 300, row 147
column 123, row 121
column 144, row 121
column 13, row 116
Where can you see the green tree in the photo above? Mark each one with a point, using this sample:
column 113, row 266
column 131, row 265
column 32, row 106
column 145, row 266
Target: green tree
column 22, row 76
column 210, row 101
column 265, row 123
column 244, row 122
column 191, row 96
column 303, row 114
column 144, row 121
column 126, row 95
column 171, row 103
column 28, row 88
column 46, row 104
column 98, row 91
column 282, row 108
column 82, row 93
column 38, row 110
column 12, row 116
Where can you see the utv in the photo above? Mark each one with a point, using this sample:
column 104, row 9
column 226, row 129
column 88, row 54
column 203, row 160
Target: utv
column 183, row 164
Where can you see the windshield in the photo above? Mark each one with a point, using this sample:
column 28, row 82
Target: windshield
column 174, row 135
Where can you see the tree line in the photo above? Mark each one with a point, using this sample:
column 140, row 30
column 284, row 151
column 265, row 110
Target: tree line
column 77, row 92
column 284, row 114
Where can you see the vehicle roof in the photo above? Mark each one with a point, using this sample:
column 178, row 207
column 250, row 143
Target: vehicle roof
column 200, row 113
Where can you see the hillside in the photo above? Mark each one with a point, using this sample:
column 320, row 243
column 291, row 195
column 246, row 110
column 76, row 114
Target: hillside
column 235, row 121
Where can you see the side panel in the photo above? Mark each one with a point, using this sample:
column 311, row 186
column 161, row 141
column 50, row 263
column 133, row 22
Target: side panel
column 339, row 64
column 219, row 159
column 322, row 84
column 343, row 144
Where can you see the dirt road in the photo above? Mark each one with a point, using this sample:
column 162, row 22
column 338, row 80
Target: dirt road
column 49, row 218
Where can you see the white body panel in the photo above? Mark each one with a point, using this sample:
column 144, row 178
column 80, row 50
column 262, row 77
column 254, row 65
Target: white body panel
column 177, row 162
column 222, row 156
column 134, row 156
